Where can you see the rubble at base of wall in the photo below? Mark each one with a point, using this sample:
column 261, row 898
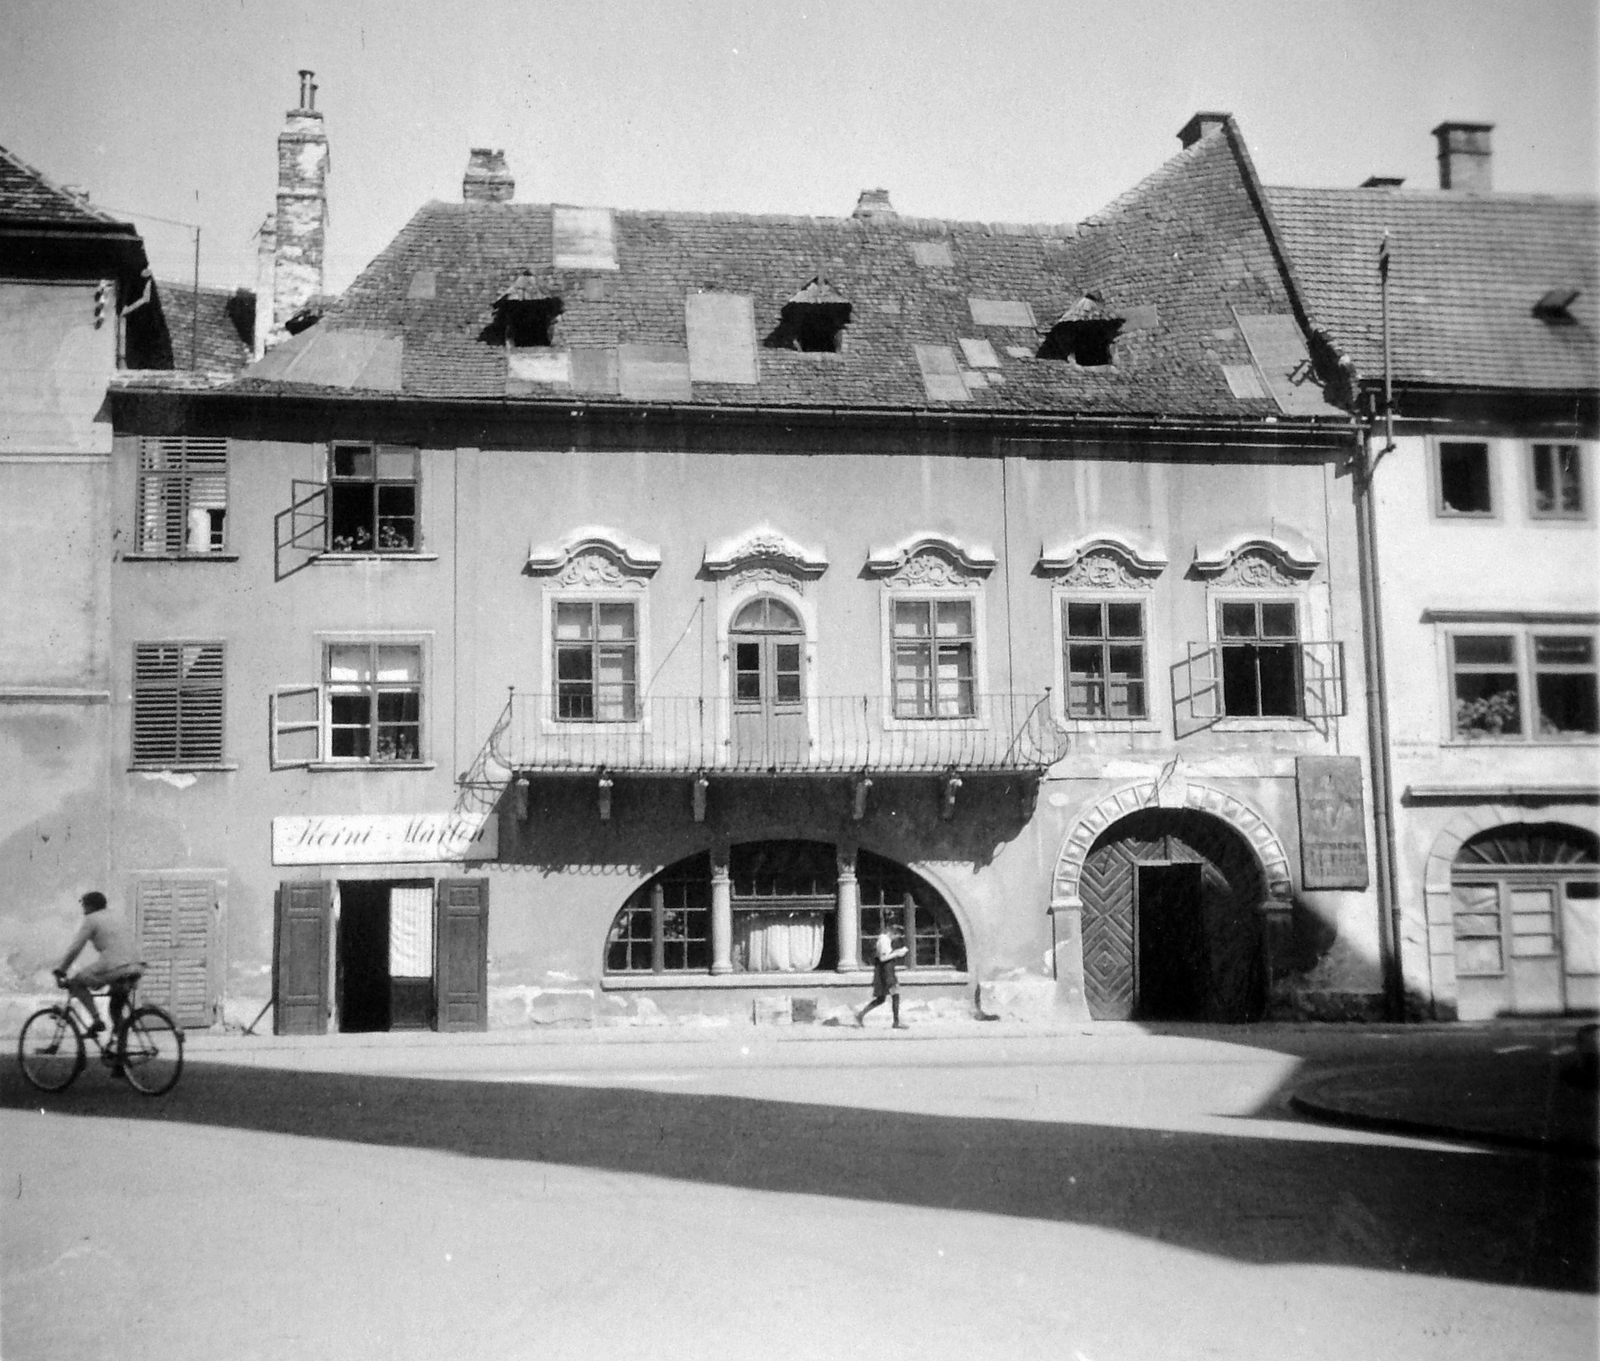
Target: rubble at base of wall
column 516, row 1008
column 1017, row 997
column 1316, row 1005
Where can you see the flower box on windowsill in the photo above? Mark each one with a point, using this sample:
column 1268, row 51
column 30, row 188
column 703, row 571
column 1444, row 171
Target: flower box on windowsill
column 180, row 557
column 332, row 555
column 361, row 763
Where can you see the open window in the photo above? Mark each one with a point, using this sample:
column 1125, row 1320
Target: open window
column 813, row 320
column 372, row 499
column 367, row 710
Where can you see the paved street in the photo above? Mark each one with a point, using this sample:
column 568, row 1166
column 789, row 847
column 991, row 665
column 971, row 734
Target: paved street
column 1089, row 1195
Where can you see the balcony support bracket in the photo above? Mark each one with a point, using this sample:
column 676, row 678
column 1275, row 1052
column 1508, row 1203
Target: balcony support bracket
column 949, row 787
column 858, row 799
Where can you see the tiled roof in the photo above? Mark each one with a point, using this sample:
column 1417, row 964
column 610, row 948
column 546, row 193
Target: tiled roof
column 28, row 196
column 223, row 340
column 1177, row 258
column 1465, row 272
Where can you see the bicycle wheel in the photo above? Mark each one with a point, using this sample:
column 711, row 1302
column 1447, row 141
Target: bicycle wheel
column 151, row 1046
column 50, row 1049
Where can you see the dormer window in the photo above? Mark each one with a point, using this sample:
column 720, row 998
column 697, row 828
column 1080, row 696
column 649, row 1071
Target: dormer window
column 1085, row 334
column 525, row 314
column 812, row 321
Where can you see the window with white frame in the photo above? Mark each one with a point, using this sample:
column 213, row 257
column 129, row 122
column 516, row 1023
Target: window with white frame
column 1522, row 683
column 367, row 709
column 1261, row 658
column 372, row 499
column 1556, row 481
column 934, row 658
column 1463, row 478
column 596, row 661
column 183, row 497
column 1103, row 645
column 178, row 690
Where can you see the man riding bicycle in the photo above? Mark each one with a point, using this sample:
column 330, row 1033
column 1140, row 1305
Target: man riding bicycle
column 117, row 967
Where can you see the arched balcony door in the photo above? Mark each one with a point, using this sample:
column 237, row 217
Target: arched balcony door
column 768, row 684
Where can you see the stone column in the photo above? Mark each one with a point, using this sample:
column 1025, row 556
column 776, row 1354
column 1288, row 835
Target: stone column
column 1071, row 993
column 721, row 914
column 848, row 917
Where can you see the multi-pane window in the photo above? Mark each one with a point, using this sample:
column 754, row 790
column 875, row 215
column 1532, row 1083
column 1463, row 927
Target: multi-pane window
column 597, row 661
column 934, row 669
column 1104, row 643
column 1261, row 662
column 1465, row 484
column 666, row 926
column 892, row 901
column 374, row 702
column 177, row 704
column 372, row 499
column 183, row 496
column 1491, row 674
column 1557, row 476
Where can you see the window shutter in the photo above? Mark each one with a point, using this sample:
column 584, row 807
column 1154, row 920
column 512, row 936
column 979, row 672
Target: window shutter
column 177, row 475
column 461, row 954
column 296, row 725
column 1196, row 690
column 177, row 703
column 176, row 930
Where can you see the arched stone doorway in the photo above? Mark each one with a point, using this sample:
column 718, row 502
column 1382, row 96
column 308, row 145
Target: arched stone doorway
column 1172, row 928
column 1525, row 911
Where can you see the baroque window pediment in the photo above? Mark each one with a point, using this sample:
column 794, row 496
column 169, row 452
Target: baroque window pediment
column 595, row 556
column 932, row 560
column 1281, row 558
column 1105, row 561
column 764, row 554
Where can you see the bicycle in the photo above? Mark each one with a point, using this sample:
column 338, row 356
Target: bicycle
column 146, row 1048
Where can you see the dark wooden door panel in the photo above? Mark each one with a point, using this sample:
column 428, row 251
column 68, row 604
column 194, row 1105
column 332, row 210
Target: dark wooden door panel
column 300, row 986
column 461, row 956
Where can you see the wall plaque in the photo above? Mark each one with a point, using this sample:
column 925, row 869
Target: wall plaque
column 1333, row 825
column 384, row 838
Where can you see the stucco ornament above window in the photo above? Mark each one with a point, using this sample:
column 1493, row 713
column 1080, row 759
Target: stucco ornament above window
column 1284, row 557
column 764, row 550
column 1106, row 561
column 595, row 555
column 932, row 560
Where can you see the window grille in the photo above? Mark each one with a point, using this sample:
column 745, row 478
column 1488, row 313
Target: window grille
column 183, row 496
column 177, row 704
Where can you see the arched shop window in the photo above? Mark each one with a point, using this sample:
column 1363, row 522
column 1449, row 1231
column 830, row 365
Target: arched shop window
column 784, row 910
column 1527, row 929
column 894, row 897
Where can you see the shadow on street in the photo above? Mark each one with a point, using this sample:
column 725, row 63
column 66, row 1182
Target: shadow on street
column 1519, row 1219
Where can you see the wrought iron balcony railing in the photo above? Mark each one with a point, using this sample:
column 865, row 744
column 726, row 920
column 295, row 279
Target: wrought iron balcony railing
column 812, row 735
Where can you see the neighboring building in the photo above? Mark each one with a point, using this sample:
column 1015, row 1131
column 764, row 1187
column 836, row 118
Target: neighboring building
column 212, row 330
column 1486, row 559
column 710, row 591
column 74, row 308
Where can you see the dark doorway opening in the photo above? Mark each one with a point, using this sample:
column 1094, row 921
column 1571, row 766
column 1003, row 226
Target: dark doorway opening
column 363, row 956
column 1172, row 962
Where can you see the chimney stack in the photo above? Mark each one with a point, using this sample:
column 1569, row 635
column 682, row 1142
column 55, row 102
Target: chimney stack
column 874, row 203
column 1464, row 161
column 488, row 180
column 299, row 238
column 1201, row 125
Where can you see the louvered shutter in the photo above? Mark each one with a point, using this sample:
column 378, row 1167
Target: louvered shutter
column 180, row 477
column 176, row 926
column 177, row 703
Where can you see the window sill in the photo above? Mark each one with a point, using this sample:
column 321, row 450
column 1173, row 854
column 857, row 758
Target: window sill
column 177, row 767
column 1501, row 743
column 404, row 556
column 817, row 978
column 369, row 765
column 180, row 557
column 1072, row 724
column 1263, row 725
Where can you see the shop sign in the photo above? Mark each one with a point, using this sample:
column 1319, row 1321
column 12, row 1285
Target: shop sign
column 1333, row 831
column 384, row 838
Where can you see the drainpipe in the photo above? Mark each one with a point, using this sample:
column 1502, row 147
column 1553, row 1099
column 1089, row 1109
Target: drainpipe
column 1389, row 935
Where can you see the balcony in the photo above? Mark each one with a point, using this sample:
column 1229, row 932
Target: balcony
column 818, row 735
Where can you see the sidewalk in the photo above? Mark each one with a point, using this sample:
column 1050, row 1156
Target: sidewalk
column 1509, row 1085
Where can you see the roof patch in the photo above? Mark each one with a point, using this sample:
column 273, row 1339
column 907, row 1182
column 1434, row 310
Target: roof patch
column 941, row 375
column 979, row 354
column 1279, row 349
column 529, row 368
column 595, row 370
column 583, row 238
column 654, row 373
column 1001, row 312
column 722, row 337
column 1243, row 382
column 932, row 254
column 424, row 285
column 336, row 359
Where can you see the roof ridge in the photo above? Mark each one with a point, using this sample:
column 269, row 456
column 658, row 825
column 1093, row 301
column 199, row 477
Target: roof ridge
column 1436, row 195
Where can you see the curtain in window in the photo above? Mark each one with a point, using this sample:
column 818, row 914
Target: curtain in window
column 411, row 932
column 777, row 942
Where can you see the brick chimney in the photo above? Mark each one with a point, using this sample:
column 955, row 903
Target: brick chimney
column 1201, row 125
column 874, row 203
column 488, row 180
column 266, row 265
column 1464, row 161
column 301, row 229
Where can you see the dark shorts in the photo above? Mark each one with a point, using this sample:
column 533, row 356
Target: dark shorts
column 884, row 981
